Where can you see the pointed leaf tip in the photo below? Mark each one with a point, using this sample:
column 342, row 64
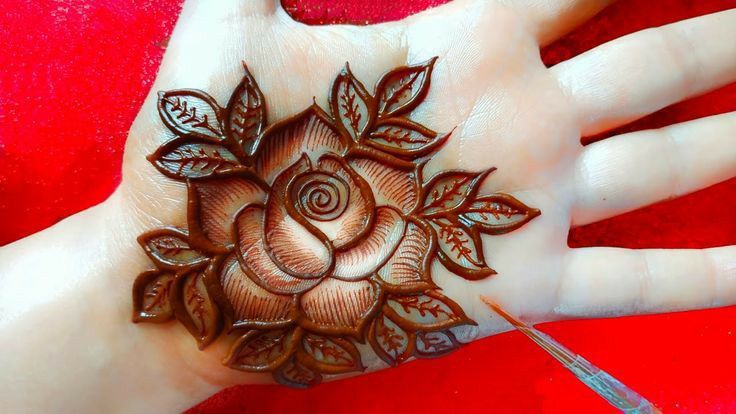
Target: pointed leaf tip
column 402, row 89
column 191, row 112
column 245, row 115
column 497, row 213
column 351, row 105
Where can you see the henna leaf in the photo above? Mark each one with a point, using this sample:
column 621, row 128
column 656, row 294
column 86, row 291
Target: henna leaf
column 450, row 190
column 194, row 308
column 404, row 138
column 402, row 89
column 169, row 249
column 351, row 104
column 435, row 344
column 245, row 116
column 330, row 355
column 294, row 374
column 460, row 249
column 391, row 342
column 181, row 159
column 498, row 213
column 465, row 333
column 429, row 311
column 190, row 112
column 151, row 296
column 259, row 350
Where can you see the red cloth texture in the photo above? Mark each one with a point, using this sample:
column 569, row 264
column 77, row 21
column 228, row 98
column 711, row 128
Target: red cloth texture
column 75, row 72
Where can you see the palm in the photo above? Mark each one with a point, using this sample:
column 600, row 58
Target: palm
column 508, row 111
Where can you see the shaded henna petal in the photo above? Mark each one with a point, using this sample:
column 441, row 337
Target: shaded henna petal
column 282, row 144
column 213, row 205
column 363, row 259
column 256, row 263
column 253, row 306
column 391, row 186
column 296, row 250
column 339, row 307
column 407, row 270
column 346, row 230
column 295, row 246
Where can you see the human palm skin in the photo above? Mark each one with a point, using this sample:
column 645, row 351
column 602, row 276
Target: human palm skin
column 317, row 229
column 489, row 86
column 476, row 92
column 506, row 110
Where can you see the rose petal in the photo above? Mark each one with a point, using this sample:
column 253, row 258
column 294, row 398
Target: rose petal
column 355, row 221
column 391, row 186
column 215, row 203
column 365, row 258
column 255, row 261
column 296, row 249
column 337, row 306
column 283, row 143
column 252, row 305
column 407, row 270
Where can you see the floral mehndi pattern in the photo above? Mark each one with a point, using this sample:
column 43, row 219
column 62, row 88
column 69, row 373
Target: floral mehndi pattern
column 311, row 240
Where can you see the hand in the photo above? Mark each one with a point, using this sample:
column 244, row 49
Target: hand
column 509, row 111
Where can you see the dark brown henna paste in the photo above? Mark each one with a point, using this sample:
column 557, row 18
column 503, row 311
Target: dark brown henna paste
column 317, row 232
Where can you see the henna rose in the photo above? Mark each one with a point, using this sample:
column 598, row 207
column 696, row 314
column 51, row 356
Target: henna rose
column 316, row 232
column 323, row 242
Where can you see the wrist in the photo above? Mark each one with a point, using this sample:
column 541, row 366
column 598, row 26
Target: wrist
column 66, row 324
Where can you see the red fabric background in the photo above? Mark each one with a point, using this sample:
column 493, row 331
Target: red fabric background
column 74, row 73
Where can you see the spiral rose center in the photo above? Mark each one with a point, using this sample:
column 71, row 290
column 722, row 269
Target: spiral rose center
column 320, row 196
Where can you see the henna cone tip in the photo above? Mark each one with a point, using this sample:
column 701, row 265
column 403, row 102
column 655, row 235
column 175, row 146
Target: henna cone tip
column 498, row 310
column 606, row 386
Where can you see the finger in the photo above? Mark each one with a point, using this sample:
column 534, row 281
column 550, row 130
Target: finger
column 232, row 7
column 607, row 281
column 205, row 52
column 626, row 172
column 643, row 72
column 554, row 18
column 548, row 19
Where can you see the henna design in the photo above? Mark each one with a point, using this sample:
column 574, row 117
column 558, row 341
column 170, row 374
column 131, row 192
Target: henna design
column 317, row 232
column 245, row 115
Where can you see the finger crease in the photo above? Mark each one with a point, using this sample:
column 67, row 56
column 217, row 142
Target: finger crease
column 676, row 166
column 645, row 280
column 712, row 275
column 681, row 49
